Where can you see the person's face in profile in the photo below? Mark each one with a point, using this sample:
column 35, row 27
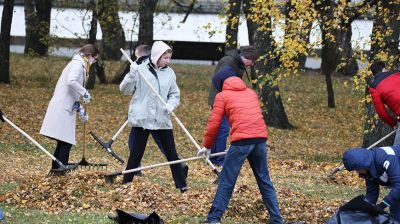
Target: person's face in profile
column 164, row 60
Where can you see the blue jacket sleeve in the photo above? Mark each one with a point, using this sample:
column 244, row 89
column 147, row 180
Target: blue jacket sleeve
column 372, row 191
column 393, row 173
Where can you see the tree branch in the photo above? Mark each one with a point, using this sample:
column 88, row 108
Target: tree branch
column 189, row 8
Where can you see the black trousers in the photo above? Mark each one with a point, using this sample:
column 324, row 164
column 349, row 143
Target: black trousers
column 168, row 144
column 61, row 153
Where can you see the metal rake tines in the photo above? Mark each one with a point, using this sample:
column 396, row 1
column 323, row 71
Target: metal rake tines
column 107, row 146
column 83, row 164
column 62, row 170
column 110, row 178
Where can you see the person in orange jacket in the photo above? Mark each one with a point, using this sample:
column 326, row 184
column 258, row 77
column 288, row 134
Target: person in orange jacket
column 248, row 141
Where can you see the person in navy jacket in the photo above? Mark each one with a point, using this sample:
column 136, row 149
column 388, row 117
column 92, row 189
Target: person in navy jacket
column 385, row 90
column 379, row 167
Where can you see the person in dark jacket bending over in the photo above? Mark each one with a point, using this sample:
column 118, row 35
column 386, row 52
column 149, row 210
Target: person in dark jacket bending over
column 379, row 167
column 238, row 59
column 385, row 90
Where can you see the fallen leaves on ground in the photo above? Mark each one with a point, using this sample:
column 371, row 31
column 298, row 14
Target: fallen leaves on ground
column 300, row 159
column 84, row 190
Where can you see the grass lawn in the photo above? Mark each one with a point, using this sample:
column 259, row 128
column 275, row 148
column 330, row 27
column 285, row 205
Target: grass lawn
column 299, row 159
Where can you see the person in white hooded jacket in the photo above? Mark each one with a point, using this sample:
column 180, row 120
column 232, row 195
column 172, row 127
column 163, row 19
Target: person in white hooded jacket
column 147, row 114
column 60, row 120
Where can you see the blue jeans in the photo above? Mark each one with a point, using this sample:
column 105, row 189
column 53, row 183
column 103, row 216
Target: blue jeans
column 397, row 137
column 220, row 142
column 256, row 154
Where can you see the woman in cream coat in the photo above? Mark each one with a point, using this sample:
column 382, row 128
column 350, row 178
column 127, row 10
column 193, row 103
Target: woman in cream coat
column 60, row 119
column 147, row 113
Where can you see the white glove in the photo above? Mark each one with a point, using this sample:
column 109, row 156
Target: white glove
column 86, row 97
column 204, row 152
column 83, row 115
column 169, row 108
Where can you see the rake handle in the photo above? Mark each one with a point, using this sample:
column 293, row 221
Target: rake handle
column 383, row 138
column 34, row 141
column 170, row 163
column 173, row 114
column 119, row 130
column 84, row 135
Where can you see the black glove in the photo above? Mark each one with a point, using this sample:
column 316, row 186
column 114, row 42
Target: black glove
column 381, row 207
column 1, row 116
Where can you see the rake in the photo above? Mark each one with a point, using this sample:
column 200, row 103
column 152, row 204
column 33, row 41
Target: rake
column 214, row 169
column 61, row 170
column 110, row 178
column 332, row 174
column 107, row 145
column 84, row 163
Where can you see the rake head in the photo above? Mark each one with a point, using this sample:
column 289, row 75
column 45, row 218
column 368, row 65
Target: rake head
column 62, row 170
column 332, row 174
column 216, row 173
column 107, row 146
column 110, row 178
column 86, row 165
column 1, row 116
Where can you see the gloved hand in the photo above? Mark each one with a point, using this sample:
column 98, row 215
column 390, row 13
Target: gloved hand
column 83, row 115
column 381, row 207
column 169, row 108
column 86, row 97
column 397, row 125
column 204, row 152
column 76, row 106
column 133, row 66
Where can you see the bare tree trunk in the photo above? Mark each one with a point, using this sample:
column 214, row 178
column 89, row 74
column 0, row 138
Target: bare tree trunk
column 305, row 37
column 97, row 68
column 385, row 39
column 350, row 66
column 385, row 36
column 330, row 59
column 273, row 109
column 251, row 29
column 232, row 25
column 113, row 34
column 37, row 20
column 330, row 54
column 93, row 22
column 251, row 26
column 146, row 15
column 6, row 19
